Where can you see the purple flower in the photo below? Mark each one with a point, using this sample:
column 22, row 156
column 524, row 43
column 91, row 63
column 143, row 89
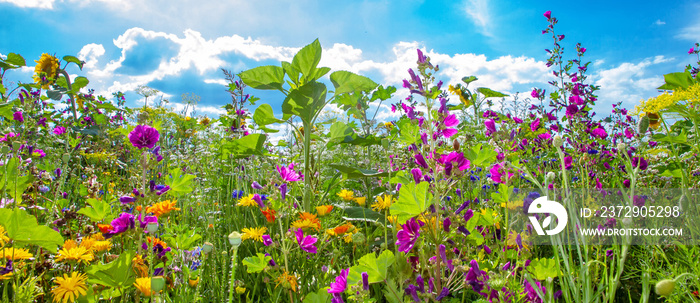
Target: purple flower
column 306, row 243
column 288, row 174
column 417, row 175
column 468, row 215
column 256, row 185
column 476, row 277
column 446, row 224
column 497, row 172
column 124, row 222
column 444, row 293
column 144, row 136
column 148, row 219
column 535, row 125
column 609, row 253
column 408, row 235
column 548, row 14
column 420, row 160
column 283, row 191
column 639, row 161
column 267, row 240
column 490, row 126
column 126, row 199
column 341, row 282
column 17, row 116
column 534, row 93
column 365, row 281
column 258, row 199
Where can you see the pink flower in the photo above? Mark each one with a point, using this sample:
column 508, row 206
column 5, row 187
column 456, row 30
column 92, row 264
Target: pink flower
column 17, row 116
column 535, row 94
column 288, row 174
column 451, row 121
column 691, row 50
column 535, row 125
column 490, row 126
column 408, row 235
column 600, row 133
column 497, row 172
column 548, row 14
column 306, row 243
column 341, row 282
column 144, row 136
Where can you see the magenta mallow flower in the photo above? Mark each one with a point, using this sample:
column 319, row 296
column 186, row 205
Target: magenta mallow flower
column 497, row 172
column 267, row 240
column 288, row 174
column 490, row 126
column 306, row 243
column 408, row 235
column 124, row 222
column 548, row 14
column 452, row 160
column 144, row 136
column 59, row 130
column 17, row 116
column 341, row 282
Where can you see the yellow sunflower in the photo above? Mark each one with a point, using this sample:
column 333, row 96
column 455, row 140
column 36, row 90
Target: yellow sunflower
column 3, row 236
column 69, row 288
column 346, row 195
column 254, row 233
column 383, row 203
column 46, row 70
column 14, row 254
column 162, row 208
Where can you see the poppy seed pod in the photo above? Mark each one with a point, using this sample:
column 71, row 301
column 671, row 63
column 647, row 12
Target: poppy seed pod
column 235, row 239
column 207, row 247
column 157, row 283
column 643, row 125
column 621, row 147
column 665, row 287
column 558, row 141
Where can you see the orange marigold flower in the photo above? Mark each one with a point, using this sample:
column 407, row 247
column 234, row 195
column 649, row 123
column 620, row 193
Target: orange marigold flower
column 152, row 242
column 324, row 210
column 162, row 208
column 269, row 214
column 104, row 228
column 307, row 220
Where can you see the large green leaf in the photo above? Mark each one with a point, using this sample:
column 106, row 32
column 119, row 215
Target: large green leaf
column 245, row 147
column 383, row 93
column 182, row 240
column 409, row 132
column 375, row 267
column 23, row 229
column 676, row 81
column 16, row 60
column 79, row 83
column 413, row 200
column 75, row 60
column 264, row 77
column 264, row 115
column 341, row 132
column 321, row 296
column 354, row 172
column 180, row 183
column 117, row 274
column 257, row 263
column 347, row 82
column 544, row 268
column 305, row 101
column 99, row 211
column 479, row 156
column 306, row 60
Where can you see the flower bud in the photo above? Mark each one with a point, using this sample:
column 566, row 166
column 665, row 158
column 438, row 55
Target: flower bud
column 550, row 176
column 558, row 141
column 157, row 283
column 627, row 222
column 455, row 145
column 358, row 238
column 235, row 239
column 66, row 157
column 665, row 287
column 621, row 147
column 207, row 247
column 643, row 125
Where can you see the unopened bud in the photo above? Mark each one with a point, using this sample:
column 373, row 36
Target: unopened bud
column 207, row 247
column 550, row 176
column 643, row 125
column 665, row 287
column 455, row 145
column 66, row 157
column 235, row 239
column 157, row 283
column 621, row 147
column 152, row 227
column 558, row 141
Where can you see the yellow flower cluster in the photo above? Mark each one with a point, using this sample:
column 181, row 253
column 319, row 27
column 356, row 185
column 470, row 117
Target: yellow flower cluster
column 664, row 101
column 254, row 233
column 162, row 208
column 383, row 203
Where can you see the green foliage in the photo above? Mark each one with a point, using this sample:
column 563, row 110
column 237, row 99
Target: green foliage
column 264, row 116
column 244, row 147
column 376, row 267
column 99, row 211
column 24, row 230
column 117, row 274
column 355, row 172
column 256, row 263
column 544, row 268
column 180, row 183
column 413, row 200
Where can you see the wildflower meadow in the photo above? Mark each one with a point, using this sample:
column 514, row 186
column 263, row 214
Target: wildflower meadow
column 472, row 195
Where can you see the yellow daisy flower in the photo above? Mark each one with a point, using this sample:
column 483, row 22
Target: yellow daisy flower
column 360, row 201
column 14, row 254
column 247, row 201
column 383, row 203
column 78, row 254
column 346, row 195
column 69, row 288
column 254, row 233
column 307, row 220
column 3, row 236
column 324, row 210
column 144, row 286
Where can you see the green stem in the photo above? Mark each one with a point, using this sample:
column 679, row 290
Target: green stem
column 70, row 94
column 307, row 167
column 233, row 274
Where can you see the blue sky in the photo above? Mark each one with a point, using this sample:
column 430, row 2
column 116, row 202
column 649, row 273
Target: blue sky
column 179, row 46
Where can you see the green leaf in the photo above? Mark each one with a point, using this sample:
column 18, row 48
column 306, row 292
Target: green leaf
column 75, row 60
column 54, row 94
column 354, row 172
column 182, row 240
column 79, row 83
column 16, row 60
column 264, row 77
column 479, row 156
column 503, row 194
column 22, row 228
column 291, row 72
column 469, row 79
column 375, row 267
column 17, row 186
column 544, row 268
column 257, row 263
column 246, row 146
column 179, row 182
column 675, row 173
column 671, row 137
column 355, row 213
column 306, row 60
column 321, row 296
column 2, row 89
column 341, row 132
column 100, row 209
column 383, row 93
column 305, row 101
column 264, row 115
column 413, row 200
column 489, row 93
column 409, row 132
column 677, row 81
column 391, row 292
column 117, row 274
column 347, row 82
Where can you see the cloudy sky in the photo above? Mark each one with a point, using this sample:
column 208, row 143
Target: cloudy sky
column 179, row 46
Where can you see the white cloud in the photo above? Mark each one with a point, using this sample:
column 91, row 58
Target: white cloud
column 629, row 82
column 89, row 53
column 478, row 12
column 659, row 22
column 43, row 4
